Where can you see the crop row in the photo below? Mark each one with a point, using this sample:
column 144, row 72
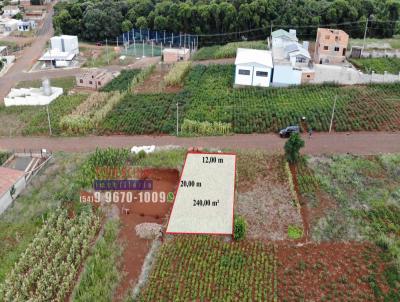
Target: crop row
column 90, row 113
column 208, row 96
column 47, row 269
column 202, row 268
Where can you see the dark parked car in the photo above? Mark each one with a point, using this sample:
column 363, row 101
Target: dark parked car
column 289, row 130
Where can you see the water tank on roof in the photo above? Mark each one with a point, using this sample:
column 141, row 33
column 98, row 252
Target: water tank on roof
column 46, row 87
column 306, row 44
column 292, row 32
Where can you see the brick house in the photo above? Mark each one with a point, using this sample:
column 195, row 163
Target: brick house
column 330, row 46
column 172, row 55
column 93, row 79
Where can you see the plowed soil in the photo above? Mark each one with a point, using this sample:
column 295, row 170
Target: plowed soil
column 328, row 272
column 135, row 248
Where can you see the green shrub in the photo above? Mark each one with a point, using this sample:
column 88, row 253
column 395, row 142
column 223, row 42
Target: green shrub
column 294, row 232
column 240, row 227
column 292, row 148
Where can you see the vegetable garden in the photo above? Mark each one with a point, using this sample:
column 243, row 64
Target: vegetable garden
column 46, row 271
column 203, row 268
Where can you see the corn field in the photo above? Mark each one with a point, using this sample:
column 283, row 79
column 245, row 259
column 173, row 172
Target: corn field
column 90, row 113
column 190, row 127
column 203, row 268
column 47, row 269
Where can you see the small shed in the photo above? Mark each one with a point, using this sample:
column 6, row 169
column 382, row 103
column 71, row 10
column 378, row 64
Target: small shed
column 172, row 55
column 253, row 67
column 94, row 78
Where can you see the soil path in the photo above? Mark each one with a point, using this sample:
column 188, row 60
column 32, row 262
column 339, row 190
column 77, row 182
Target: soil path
column 151, row 209
column 363, row 143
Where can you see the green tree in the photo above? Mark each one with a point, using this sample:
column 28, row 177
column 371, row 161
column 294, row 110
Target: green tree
column 292, row 148
column 141, row 22
column 126, row 26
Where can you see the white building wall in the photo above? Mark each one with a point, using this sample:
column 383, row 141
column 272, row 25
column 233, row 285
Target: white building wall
column 6, row 200
column 261, row 80
column 56, row 43
column 71, row 44
column 286, row 75
column 281, row 42
column 252, row 79
column 243, row 79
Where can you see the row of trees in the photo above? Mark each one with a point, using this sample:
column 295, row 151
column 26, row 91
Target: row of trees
column 99, row 19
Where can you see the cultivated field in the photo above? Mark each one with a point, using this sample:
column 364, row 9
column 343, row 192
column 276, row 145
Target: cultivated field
column 208, row 96
column 378, row 65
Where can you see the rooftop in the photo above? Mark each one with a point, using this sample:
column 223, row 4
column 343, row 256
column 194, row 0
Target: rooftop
column 93, row 74
column 254, row 56
column 283, row 33
column 57, row 56
column 176, row 50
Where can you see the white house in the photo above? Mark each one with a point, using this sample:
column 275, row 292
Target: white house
column 65, row 43
column 291, row 59
column 8, row 25
column 253, row 67
column 62, row 52
column 10, row 11
column 281, row 38
column 26, row 25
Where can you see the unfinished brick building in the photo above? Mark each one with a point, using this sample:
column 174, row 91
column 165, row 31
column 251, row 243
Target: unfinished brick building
column 330, row 46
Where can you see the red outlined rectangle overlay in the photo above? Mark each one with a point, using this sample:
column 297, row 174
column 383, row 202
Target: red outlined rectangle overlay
column 209, row 207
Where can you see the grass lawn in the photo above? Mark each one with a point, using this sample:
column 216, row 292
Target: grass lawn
column 372, row 43
column 67, row 83
column 102, row 59
column 379, row 65
column 357, row 198
column 226, row 51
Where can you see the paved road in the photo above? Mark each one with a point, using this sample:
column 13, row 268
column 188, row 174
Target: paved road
column 320, row 143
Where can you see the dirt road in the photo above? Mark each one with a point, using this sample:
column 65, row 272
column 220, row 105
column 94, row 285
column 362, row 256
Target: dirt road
column 320, row 143
column 30, row 55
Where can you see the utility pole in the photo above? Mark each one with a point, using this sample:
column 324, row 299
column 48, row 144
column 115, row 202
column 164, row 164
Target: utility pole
column 271, row 29
column 365, row 34
column 333, row 114
column 48, row 118
column 177, row 119
column 108, row 57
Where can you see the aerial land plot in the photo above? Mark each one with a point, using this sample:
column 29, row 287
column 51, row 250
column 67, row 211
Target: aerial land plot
column 204, row 199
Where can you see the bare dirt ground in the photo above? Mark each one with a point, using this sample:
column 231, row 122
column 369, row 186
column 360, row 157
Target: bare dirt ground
column 155, row 83
column 136, row 248
column 362, row 143
column 328, row 272
column 268, row 205
column 215, row 61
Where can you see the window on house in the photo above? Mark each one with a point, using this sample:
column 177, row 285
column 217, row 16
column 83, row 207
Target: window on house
column 99, row 83
column 326, row 47
column 300, row 59
column 180, row 58
column 80, row 81
column 261, row 74
column 336, row 48
column 90, row 82
column 244, row 72
column 344, row 52
column 308, row 76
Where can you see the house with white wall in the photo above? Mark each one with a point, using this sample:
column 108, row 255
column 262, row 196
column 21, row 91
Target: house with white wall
column 292, row 60
column 62, row 52
column 253, row 67
column 282, row 38
column 10, row 11
column 26, row 25
column 8, row 25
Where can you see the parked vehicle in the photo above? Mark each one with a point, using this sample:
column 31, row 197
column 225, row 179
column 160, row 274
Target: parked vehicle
column 99, row 44
column 286, row 132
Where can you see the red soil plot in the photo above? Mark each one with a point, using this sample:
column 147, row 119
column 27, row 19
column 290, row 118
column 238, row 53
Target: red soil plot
column 328, row 272
column 132, row 214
